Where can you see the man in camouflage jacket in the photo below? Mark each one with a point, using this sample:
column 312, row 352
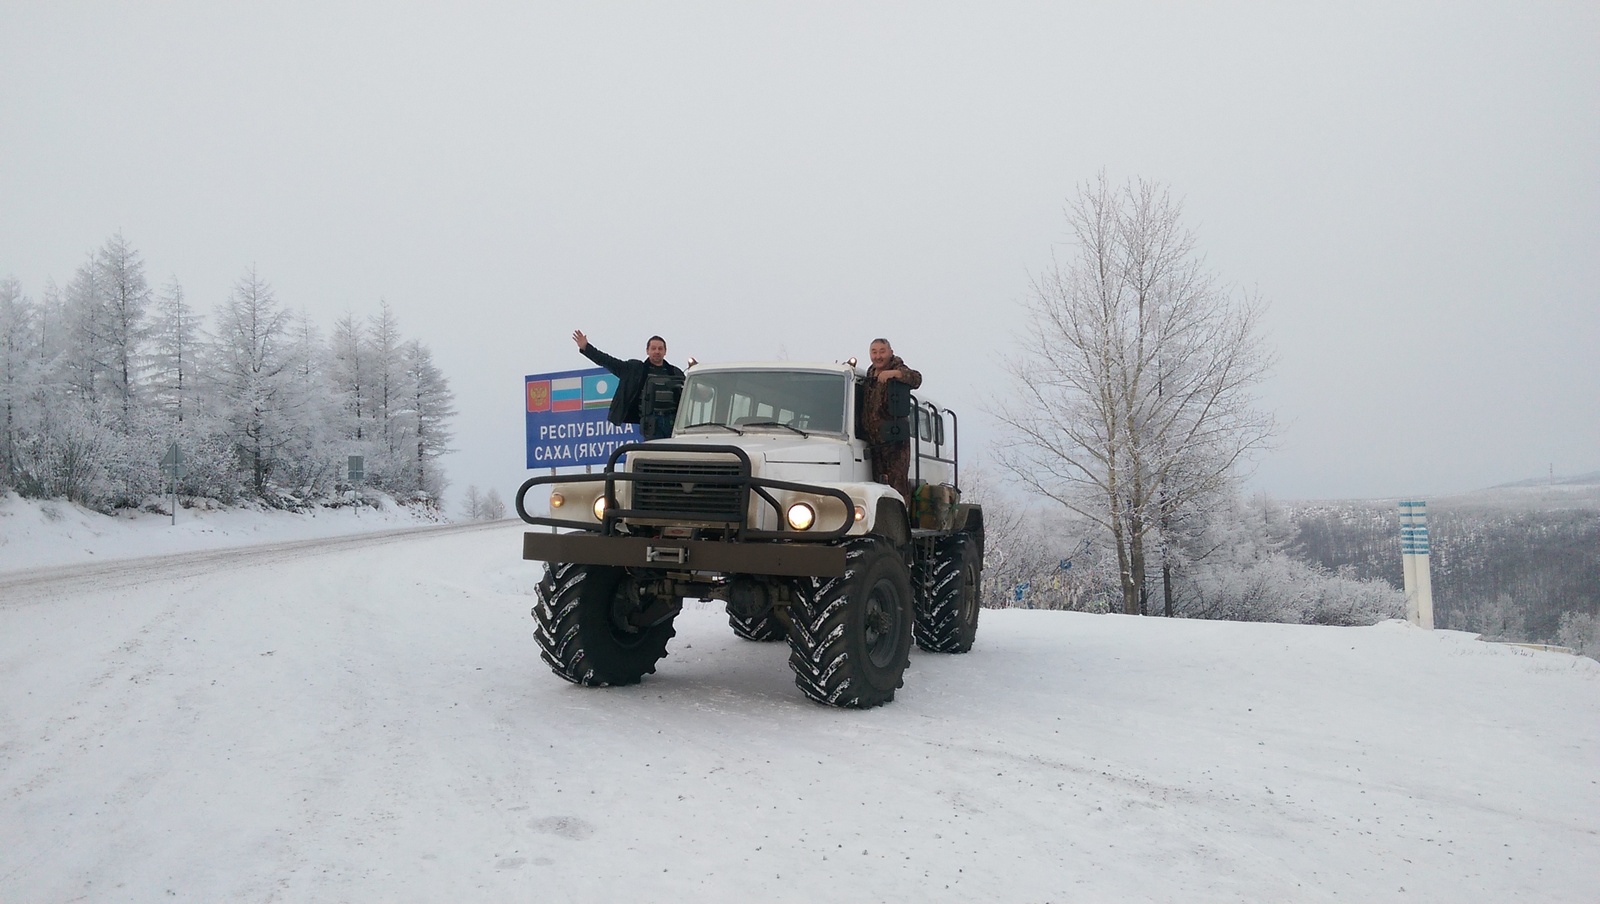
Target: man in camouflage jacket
column 891, row 462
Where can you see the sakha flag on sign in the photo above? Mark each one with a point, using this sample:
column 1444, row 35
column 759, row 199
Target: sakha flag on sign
column 566, row 394
column 538, row 395
column 598, row 390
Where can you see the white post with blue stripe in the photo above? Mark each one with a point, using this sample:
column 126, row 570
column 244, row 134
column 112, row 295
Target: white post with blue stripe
column 1414, row 562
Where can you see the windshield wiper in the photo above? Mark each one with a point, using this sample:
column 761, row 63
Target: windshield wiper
column 777, row 424
column 712, row 424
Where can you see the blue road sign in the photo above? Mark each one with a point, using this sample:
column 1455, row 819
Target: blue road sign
column 566, row 418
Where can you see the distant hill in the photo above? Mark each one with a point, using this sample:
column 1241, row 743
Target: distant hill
column 1590, row 479
column 1507, row 562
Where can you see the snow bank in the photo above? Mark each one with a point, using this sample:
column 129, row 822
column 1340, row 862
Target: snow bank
column 39, row 533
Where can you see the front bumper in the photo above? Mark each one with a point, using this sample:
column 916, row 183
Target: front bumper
column 775, row 558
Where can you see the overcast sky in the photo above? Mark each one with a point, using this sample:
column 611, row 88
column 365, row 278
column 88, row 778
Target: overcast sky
column 1414, row 188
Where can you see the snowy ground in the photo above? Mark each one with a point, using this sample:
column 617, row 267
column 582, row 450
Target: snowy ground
column 34, row 534
column 368, row 719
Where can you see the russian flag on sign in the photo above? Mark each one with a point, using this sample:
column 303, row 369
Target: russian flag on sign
column 598, row 390
column 566, row 394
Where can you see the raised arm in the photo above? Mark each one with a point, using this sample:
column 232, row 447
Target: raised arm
column 599, row 357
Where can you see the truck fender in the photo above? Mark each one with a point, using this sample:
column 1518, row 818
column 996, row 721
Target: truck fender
column 891, row 521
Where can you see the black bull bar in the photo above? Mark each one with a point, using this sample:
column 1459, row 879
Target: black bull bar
column 612, row 548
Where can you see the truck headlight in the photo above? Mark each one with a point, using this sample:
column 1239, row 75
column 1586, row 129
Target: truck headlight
column 557, row 500
column 802, row 516
column 600, row 508
column 861, row 513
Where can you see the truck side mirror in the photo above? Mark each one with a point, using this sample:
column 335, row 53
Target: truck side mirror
column 660, row 395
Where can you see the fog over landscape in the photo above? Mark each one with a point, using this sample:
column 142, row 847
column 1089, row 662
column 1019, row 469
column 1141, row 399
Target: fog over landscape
column 1413, row 189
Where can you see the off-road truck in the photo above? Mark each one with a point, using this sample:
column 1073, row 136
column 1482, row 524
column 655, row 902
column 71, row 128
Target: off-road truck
column 763, row 498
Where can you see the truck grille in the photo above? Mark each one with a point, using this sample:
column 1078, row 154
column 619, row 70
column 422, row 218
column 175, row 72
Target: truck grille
column 713, row 502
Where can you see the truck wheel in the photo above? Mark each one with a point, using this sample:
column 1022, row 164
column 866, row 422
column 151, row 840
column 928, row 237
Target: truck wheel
column 761, row 629
column 852, row 635
column 947, row 616
column 584, row 632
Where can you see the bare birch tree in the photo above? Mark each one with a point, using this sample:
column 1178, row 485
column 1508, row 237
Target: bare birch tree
column 494, row 508
column 1133, row 389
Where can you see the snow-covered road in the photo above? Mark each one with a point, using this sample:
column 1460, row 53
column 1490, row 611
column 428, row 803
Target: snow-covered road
column 371, row 722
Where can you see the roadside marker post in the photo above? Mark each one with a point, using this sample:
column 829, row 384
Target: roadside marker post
column 172, row 467
column 1414, row 563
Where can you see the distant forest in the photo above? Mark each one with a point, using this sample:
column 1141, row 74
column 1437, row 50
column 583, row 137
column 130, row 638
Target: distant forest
column 100, row 377
column 1506, row 564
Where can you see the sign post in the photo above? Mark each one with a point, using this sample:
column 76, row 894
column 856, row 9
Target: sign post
column 172, row 466
column 1414, row 563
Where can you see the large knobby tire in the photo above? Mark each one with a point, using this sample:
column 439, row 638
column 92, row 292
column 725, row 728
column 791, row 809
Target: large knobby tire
column 583, row 632
column 852, row 635
column 761, row 629
column 947, row 612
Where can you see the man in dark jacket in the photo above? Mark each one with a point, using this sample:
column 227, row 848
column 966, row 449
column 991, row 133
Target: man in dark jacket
column 891, row 462
column 647, row 391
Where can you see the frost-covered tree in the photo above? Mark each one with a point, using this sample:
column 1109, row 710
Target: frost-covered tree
column 350, row 370
column 38, row 400
column 388, row 393
column 1025, row 544
column 121, row 324
column 1580, row 632
column 99, row 378
column 84, row 361
column 432, row 407
column 494, row 508
column 20, row 373
column 1238, row 566
column 472, row 503
column 1133, row 387
column 253, row 376
column 314, row 457
column 174, row 354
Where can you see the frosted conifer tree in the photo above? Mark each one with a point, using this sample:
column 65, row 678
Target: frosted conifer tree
column 174, row 354
column 252, row 373
column 19, row 377
column 432, row 405
column 120, row 323
column 388, row 395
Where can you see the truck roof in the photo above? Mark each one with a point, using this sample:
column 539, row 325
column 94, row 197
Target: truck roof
column 814, row 366
column 837, row 367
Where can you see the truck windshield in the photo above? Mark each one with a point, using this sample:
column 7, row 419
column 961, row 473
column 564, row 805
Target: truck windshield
column 763, row 400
